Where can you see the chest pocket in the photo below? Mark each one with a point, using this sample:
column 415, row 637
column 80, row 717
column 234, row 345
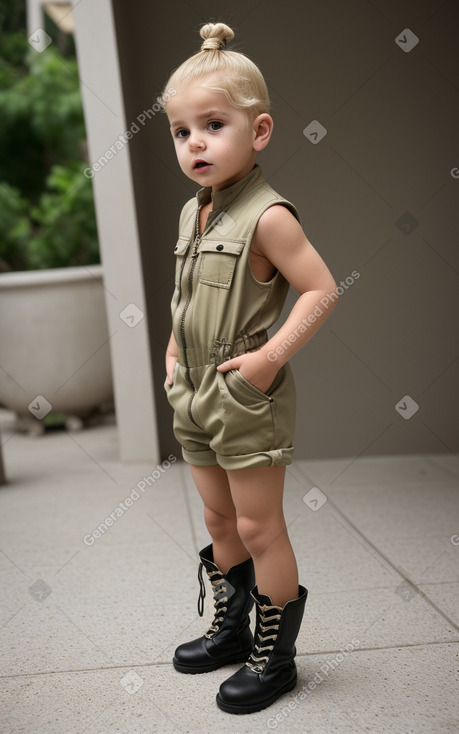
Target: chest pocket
column 218, row 262
column 180, row 251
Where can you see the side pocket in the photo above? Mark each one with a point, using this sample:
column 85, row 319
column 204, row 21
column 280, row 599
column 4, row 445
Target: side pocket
column 243, row 391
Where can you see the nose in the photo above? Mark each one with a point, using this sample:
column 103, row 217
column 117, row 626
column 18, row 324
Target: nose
column 195, row 140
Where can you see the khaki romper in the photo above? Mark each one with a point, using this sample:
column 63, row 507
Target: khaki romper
column 219, row 310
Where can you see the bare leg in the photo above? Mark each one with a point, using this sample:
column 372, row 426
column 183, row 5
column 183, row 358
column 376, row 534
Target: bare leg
column 220, row 516
column 258, row 496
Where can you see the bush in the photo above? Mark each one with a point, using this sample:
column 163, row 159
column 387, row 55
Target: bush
column 47, row 216
column 41, row 121
column 14, row 229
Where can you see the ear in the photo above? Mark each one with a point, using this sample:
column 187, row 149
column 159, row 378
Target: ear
column 262, row 128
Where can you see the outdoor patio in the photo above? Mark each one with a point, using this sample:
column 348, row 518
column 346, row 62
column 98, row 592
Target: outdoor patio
column 90, row 618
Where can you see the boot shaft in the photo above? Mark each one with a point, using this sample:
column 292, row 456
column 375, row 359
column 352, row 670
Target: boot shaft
column 276, row 632
column 229, row 639
column 231, row 591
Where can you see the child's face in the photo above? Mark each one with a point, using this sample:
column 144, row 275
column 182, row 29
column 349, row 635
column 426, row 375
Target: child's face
column 224, row 138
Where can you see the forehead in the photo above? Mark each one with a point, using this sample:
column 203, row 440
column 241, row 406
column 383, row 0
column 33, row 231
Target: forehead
column 192, row 100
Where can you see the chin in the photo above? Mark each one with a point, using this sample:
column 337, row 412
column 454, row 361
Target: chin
column 207, row 180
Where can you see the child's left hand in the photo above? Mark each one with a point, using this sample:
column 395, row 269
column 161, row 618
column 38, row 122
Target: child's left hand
column 254, row 366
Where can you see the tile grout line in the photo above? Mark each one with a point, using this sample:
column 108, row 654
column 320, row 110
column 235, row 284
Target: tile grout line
column 392, row 565
column 430, row 460
column 159, row 663
column 380, row 648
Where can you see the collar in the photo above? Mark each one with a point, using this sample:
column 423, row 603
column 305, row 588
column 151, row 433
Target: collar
column 222, row 199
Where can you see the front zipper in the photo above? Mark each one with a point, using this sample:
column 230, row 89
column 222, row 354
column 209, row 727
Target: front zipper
column 194, row 253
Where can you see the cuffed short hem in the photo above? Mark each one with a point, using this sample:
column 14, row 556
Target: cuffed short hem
column 275, row 457
column 200, row 458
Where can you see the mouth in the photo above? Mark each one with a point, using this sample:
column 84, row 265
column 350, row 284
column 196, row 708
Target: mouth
column 199, row 163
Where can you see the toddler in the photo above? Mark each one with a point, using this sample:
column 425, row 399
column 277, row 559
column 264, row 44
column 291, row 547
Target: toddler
column 240, row 244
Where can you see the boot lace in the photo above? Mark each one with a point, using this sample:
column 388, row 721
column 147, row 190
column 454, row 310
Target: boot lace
column 269, row 621
column 220, row 592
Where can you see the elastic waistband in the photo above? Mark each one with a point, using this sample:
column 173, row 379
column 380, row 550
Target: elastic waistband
column 221, row 349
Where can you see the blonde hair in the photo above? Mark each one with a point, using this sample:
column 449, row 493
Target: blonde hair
column 238, row 77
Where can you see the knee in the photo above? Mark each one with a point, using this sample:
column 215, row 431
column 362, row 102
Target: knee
column 256, row 535
column 218, row 525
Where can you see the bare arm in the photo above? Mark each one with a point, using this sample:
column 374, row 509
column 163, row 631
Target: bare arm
column 281, row 240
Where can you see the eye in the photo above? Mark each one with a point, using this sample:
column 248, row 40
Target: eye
column 215, row 122
column 182, row 130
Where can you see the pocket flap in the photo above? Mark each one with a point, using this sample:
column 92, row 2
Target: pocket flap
column 225, row 247
column 181, row 246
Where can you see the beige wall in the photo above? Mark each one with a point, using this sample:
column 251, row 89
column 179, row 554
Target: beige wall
column 392, row 119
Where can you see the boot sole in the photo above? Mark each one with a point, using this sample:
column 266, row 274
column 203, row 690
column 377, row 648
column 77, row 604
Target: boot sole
column 192, row 670
column 232, row 708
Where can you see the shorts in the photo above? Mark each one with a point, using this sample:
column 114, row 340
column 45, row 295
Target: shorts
column 231, row 422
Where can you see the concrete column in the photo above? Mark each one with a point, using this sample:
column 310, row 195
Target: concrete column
column 109, row 161
column 34, row 16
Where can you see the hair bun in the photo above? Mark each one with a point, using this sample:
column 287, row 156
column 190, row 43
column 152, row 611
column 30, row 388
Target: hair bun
column 215, row 36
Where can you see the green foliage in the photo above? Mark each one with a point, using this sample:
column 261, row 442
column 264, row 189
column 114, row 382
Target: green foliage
column 59, row 232
column 13, row 39
column 13, row 48
column 67, row 233
column 15, row 229
column 41, row 121
column 47, row 216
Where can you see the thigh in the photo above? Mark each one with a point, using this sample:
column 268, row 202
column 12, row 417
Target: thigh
column 213, row 486
column 258, row 492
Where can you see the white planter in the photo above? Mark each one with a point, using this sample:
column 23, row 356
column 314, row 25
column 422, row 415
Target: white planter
column 54, row 341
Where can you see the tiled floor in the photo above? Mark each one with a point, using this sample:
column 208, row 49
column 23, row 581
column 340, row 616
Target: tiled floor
column 88, row 630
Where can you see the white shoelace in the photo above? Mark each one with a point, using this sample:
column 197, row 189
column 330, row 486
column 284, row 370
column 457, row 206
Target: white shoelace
column 267, row 622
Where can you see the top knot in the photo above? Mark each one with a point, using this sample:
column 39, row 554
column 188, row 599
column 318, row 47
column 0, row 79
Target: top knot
column 215, row 36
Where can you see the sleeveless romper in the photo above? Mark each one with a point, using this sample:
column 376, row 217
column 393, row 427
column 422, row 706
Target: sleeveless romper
column 219, row 311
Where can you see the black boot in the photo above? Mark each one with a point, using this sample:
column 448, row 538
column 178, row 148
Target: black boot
column 270, row 670
column 228, row 639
